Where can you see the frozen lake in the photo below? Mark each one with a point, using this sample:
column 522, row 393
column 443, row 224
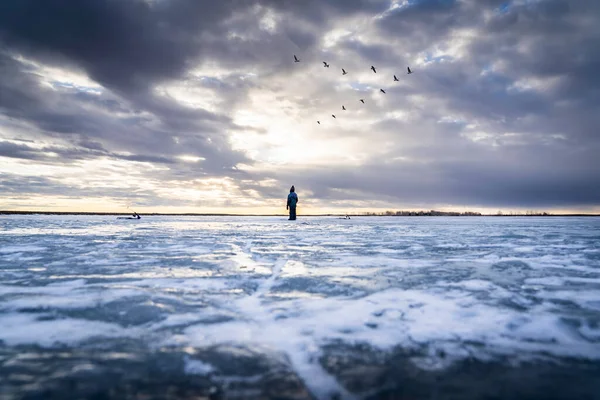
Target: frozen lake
column 262, row 307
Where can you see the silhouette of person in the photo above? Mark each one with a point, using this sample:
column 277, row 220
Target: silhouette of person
column 292, row 200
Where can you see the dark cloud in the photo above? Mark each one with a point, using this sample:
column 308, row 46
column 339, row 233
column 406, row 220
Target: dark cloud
column 24, row 185
column 14, row 150
column 125, row 45
column 88, row 150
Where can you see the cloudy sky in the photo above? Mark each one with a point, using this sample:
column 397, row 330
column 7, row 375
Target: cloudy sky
column 198, row 105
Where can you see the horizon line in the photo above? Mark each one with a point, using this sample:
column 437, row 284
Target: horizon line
column 429, row 213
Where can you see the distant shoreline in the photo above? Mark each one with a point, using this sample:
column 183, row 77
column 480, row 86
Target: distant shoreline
column 409, row 214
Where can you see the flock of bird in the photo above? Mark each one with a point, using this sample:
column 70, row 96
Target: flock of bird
column 326, row 65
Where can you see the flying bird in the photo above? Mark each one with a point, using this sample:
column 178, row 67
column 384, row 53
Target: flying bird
column 319, row 122
column 343, row 108
column 325, row 64
column 409, row 71
column 344, row 71
column 373, row 68
column 382, row 91
column 362, row 101
column 333, row 116
column 395, row 79
column 296, row 59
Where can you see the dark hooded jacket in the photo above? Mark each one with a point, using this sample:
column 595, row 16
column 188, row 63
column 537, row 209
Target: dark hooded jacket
column 292, row 199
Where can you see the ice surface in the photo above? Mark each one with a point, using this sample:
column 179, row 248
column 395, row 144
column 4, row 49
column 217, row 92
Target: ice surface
column 444, row 289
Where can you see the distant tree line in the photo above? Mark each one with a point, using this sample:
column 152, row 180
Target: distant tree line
column 421, row 213
column 450, row 213
column 526, row 213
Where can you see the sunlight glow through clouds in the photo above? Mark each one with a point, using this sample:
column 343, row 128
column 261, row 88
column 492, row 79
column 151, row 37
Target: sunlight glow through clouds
column 291, row 140
column 327, row 152
column 291, row 147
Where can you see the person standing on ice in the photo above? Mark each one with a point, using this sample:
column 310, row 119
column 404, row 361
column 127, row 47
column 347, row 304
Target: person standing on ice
column 292, row 200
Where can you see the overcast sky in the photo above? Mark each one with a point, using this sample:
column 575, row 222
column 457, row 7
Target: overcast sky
column 198, row 105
